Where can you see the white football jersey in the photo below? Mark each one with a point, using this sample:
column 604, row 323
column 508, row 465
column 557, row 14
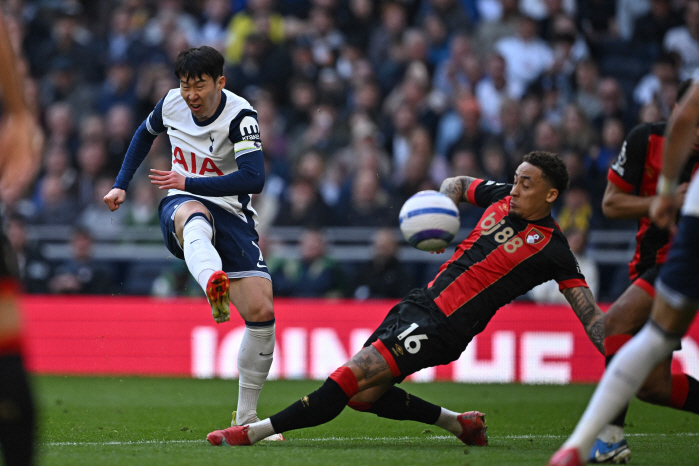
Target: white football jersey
column 209, row 148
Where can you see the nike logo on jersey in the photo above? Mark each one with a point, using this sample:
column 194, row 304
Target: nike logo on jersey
column 262, row 266
column 268, row 354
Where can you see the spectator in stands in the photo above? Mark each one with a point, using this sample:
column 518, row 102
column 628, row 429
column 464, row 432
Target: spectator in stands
column 451, row 12
column 314, row 274
column 93, row 217
column 437, row 39
column 587, row 81
column 142, row 209
column 92, row 161
column 60, row 127
column 118, row 88
column 34, row 268
column 491, row 91
column 360, row 20
column 597, row 20
column 303, row 206
column 684, row 40
column 212, row 31
column 82, row 273
column 489, row 33
column 613, row 103
column 384, row 276
column 576, row 211
column 652, row 27
column 577, row 131
column 495, row 164
column 514, row 138
column 525, row 54
column 663, row 72
column 119, row 123
column 385, row 43
column 258, row 14
column 451, row 75
column 62, row 84
column 472, row 135
column 54, row 205
column 369, row 204
column 547, row 137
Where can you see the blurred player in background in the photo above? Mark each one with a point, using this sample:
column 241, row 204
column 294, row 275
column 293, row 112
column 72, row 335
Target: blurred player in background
column 631, row 185
column 19, row 160
column 677, row 293
column 206, row 218
column 516, row 246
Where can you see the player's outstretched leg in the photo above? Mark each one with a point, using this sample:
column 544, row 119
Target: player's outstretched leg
column 319, row 407
column 399, row 405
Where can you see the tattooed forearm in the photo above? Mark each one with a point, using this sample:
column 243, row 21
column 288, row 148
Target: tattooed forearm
column 370, row 361
column 590, row 315
column 456, row 188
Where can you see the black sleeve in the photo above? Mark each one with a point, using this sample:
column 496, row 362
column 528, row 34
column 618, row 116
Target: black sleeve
column 626, row 172
column 484, row 193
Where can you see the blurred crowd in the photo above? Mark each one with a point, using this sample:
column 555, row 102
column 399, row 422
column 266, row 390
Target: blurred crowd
column 361, row 104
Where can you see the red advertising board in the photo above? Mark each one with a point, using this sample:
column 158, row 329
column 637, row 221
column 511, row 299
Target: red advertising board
column 525, row 342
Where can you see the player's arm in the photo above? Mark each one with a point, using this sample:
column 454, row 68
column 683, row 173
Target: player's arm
column 679, row 138
column 589, row 313
column 20, row 136
column 620, row 205
column 139, row 147
column 456, row 188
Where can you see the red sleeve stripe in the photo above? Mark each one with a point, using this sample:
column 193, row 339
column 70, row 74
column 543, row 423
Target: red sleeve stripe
column 645, row 286
column 572, row 283
column 381, row 348
column 619, row 182
column 471, row 191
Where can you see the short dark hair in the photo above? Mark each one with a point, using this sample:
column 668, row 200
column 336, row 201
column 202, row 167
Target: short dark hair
column 552, row 166
column 196, row 62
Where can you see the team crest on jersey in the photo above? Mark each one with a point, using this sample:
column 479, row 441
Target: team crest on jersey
column 534, row 236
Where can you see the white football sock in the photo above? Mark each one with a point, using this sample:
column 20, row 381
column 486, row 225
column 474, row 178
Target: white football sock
column 200, row 255
column 622, row 379
column 254, row 361
column 260, row 430
column 447, row 421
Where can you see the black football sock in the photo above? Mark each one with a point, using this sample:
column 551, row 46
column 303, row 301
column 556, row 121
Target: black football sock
column 16, row 412
column 321, row 406
column 402, row 406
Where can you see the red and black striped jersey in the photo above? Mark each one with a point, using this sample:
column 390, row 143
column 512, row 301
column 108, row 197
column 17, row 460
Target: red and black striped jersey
column 636, row 171
column 504, row 257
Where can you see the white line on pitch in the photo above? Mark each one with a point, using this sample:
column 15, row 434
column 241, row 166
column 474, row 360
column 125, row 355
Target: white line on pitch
column 350, row 439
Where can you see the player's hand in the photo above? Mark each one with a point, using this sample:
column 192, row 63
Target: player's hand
column 662, row 211
column 438, row 251
column 167, row 179
column 115, row 198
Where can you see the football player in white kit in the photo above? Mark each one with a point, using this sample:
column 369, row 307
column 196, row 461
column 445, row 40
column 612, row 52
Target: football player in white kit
column 206, row 217
column 677, row 293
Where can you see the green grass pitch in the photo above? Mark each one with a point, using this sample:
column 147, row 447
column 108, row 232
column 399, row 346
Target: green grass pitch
column 162, row 421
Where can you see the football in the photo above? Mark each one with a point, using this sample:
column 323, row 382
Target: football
column 429, row 220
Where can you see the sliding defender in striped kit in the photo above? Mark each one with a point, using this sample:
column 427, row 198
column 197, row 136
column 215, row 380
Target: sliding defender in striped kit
column 515, row 246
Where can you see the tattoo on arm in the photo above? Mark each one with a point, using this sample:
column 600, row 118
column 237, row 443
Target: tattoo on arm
column 370, row 361
column 590, row 315
column 456, row 188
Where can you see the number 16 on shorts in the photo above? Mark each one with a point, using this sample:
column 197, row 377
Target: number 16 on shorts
column 412, row 342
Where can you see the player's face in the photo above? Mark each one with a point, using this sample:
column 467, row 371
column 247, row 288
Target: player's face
column 532, row 195
column 202, row 95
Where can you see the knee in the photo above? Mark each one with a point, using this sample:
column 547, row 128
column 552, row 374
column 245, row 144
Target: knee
column 261, row 313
